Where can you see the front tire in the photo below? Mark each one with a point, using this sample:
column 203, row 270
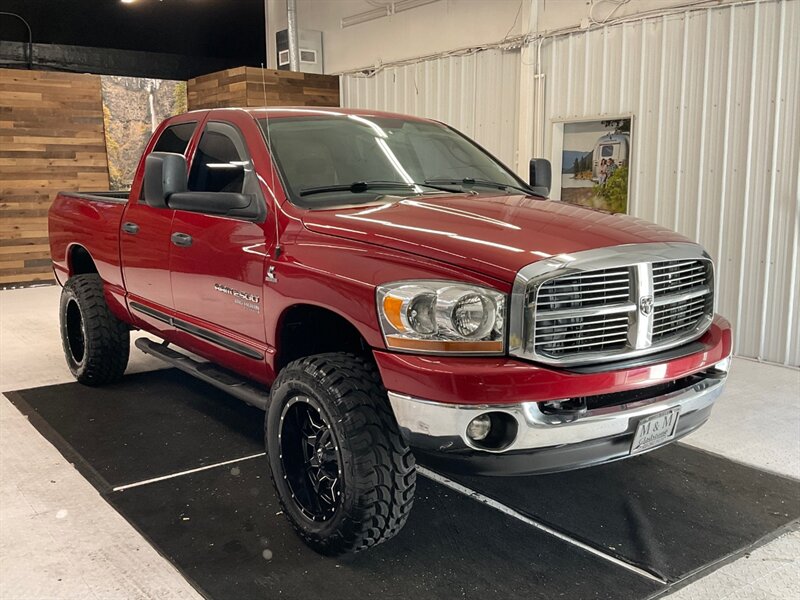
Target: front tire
column 96, row 343
column 343, row 473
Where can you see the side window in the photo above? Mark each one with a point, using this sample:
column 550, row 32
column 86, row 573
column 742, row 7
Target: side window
column 221, row 162
column 175, row 138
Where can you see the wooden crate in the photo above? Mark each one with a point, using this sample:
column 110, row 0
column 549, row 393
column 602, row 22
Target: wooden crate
column 248, row 86
column 51, row 139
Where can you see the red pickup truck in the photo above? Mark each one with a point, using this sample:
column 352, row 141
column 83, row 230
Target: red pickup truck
column 377, row 283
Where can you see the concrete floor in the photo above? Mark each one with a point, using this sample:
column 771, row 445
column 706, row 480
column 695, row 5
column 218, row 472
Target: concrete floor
column 59, row 538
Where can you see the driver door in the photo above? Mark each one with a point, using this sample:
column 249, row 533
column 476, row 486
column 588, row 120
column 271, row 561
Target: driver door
column 217, row 263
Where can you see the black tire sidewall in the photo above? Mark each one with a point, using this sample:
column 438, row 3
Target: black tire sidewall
column 69, row 295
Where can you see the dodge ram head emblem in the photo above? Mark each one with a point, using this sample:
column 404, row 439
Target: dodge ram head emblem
column 646, row 305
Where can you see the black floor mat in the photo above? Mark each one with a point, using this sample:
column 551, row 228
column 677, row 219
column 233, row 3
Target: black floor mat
column 149, row 425
column 673, row 511
column 216, row 526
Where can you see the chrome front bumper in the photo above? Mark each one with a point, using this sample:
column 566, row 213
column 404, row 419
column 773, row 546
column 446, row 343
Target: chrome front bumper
column 547, row 442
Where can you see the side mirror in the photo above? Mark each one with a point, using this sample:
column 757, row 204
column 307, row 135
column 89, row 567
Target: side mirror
column 540, row 174
column 214, row 203
column 164, row 175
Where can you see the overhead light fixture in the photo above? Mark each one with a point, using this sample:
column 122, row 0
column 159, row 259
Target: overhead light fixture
column 128, row 1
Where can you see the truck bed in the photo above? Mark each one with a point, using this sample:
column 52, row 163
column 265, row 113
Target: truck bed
column 88, row 220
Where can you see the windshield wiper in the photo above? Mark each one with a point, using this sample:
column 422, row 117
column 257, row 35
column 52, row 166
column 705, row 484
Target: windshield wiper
column 469, row 181
column 358, row 187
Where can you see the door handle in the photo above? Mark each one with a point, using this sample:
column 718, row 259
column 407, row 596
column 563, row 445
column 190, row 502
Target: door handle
column 181, row 239
column 131, row 228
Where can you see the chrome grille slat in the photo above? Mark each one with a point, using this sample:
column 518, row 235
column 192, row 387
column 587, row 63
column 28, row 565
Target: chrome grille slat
column 583, row 294
column 604, row 328
column 681, row 296
column 674, row 268
column 589, row 311
column 598, row 313
column 595, row 275
column 677, row 277
column 585, row 284
column 587, row 337
column 583, row 298
column 669, row 304
column 665, row 290
column 675, row 328
column 672, row 265
column 669, row 319
column 591, row 345
column 694, row 312
column 698, row 276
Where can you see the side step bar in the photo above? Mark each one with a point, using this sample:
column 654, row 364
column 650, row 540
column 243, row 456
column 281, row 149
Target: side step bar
column 208, row 372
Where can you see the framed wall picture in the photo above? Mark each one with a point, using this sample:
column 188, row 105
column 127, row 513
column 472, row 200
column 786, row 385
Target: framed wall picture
column 595, row 156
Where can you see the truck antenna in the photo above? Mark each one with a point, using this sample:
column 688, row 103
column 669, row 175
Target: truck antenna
column 272, row 163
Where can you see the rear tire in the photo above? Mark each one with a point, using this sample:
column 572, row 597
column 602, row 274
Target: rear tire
column 96, row 343
column 343, row 473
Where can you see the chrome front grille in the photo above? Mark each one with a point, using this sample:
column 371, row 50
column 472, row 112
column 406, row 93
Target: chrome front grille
column 565, row 312
column 691, row 282
column 610, row 304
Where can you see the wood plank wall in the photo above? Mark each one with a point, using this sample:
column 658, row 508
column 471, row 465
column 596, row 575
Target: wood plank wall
column 51, row 139
column 245, row 86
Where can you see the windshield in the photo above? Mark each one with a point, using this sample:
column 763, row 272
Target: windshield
column 380, row 156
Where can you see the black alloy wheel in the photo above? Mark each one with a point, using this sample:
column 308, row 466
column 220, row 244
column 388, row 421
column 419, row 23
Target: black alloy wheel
column 311, row 458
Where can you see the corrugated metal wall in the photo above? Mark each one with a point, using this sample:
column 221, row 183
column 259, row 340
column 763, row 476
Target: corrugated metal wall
column 477, row 94
column 715, row 98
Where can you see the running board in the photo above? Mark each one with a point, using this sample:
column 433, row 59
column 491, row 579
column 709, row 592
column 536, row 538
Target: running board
column 208, row 372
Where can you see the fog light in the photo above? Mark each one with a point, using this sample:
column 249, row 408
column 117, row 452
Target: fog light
column 479, row 428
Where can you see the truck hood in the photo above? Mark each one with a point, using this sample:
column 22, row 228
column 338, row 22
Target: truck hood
column 493, row 235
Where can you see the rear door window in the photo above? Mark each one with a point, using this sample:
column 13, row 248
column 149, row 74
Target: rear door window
column 175, row 138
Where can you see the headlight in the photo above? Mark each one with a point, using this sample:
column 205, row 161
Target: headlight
column 442, row 316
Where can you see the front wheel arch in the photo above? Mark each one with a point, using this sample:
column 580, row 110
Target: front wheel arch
column 307, row 329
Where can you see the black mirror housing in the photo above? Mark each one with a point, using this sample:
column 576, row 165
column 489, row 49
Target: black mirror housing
column 214, row 203
column 164, row 175
column 540, row 175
